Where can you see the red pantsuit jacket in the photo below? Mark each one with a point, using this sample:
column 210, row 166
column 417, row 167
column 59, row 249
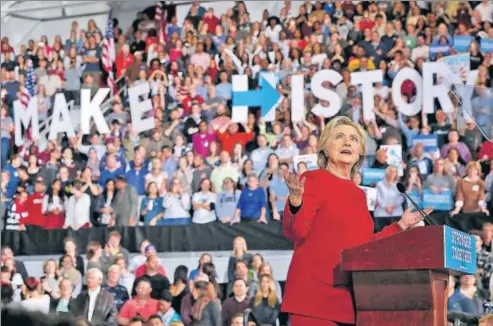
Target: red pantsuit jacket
column 333, row 216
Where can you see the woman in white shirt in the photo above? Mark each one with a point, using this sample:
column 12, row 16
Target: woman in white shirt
column 389, row 199
column 272, row 31
column 177, row 204
column 78, row 209
column 204, row 203
column 15, row 278
column 157, row 175
column 53, row 206
column 179, row 146
column 35, row 301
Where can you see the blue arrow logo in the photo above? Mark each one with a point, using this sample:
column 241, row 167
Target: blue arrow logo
column 267, row 98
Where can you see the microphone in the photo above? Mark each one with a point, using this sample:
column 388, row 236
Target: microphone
column 402, row 189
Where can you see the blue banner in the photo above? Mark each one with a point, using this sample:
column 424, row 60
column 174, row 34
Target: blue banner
column 430, row 142
column 461, row 43
column 441, row 201
column 486, row 45
column 439, row 48
column 460, row 251
column 372, row 176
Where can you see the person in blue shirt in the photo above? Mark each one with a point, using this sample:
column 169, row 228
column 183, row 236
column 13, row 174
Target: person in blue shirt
column 204, row 258
column 111, row 171
column 15, row 163
column 252, row 204
column 173, row 27
column 278, row 194
column 467, row 298
column 166, row 312
column 7, row 190
column 112, row 149
column 151, row 208
column 113, row 286
column 224, row 89
column 136, row 173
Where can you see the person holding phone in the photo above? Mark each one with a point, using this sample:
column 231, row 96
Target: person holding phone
column 151, row 209
column 176, row 204
column 204, row 204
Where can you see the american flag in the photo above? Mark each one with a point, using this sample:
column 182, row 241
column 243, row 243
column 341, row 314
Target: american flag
column 29, row 83
column 108, row 55
column 161, row 19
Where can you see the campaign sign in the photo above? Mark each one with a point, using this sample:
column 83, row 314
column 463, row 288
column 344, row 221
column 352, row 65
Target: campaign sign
column 394, row 157
column 460, row 251
column 430, row 142
column 462, row 43
column 372, row 176
column 441, row 201
column 371, row 197
column 309, row 159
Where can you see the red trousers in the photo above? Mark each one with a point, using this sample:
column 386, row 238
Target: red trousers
column 300, row 320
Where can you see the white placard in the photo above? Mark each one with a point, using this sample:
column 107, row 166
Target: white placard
column 371, row 197
column 394, row 157
column 309, row 159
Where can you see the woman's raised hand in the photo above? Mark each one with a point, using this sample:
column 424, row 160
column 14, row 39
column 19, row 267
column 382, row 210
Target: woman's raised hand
column 296, row 186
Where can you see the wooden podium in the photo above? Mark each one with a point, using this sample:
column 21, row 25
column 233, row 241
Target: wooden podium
column 402, row 279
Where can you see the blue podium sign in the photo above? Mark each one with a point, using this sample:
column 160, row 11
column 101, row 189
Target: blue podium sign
column 460, row 251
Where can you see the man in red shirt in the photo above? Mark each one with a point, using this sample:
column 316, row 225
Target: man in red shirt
column 142, row 304
column 211, row 20
column 123, row 60
column 150, row 250
column 190, row 99
column 232, row 136
column 34, row 205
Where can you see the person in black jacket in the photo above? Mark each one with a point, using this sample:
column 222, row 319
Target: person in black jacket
column 265, row 305
column 191, row 126
column 64, row 304
column 104, row 313
column 19, row 265
column 70, row 248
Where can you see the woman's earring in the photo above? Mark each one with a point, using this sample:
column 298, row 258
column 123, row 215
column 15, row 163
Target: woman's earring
column 326, row 153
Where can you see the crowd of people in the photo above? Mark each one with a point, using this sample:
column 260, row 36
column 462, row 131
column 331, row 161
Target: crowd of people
column 110, row 288
column 198, row 166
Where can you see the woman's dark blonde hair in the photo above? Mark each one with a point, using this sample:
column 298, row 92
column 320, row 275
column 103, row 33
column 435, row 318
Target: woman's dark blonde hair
column 473, row 165
column 45, row 264
column 272, row 299
column 92, row 248
column 326, row 137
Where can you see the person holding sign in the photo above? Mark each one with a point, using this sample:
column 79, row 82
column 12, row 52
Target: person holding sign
column 313, row 216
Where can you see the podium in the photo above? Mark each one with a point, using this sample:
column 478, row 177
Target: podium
column 402, row 279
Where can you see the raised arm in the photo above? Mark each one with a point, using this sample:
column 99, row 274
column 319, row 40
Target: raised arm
column 301, row 206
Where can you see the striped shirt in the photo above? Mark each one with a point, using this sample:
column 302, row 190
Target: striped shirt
column 16, row 214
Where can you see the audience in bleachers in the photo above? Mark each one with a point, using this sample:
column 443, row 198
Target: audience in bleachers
column 198, row 166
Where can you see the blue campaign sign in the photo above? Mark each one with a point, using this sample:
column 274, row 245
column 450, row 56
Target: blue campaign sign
column 267, row 97
column 460, row 251
column 461, row 43
column 430, row 142
column 441, row 201
column 486, row 45
column 372, row 176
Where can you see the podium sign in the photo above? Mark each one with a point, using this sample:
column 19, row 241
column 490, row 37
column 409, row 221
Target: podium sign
column 401, row 280
column 460, row 251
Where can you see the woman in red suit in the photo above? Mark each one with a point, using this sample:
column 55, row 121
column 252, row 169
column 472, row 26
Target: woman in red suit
column 326, row 213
